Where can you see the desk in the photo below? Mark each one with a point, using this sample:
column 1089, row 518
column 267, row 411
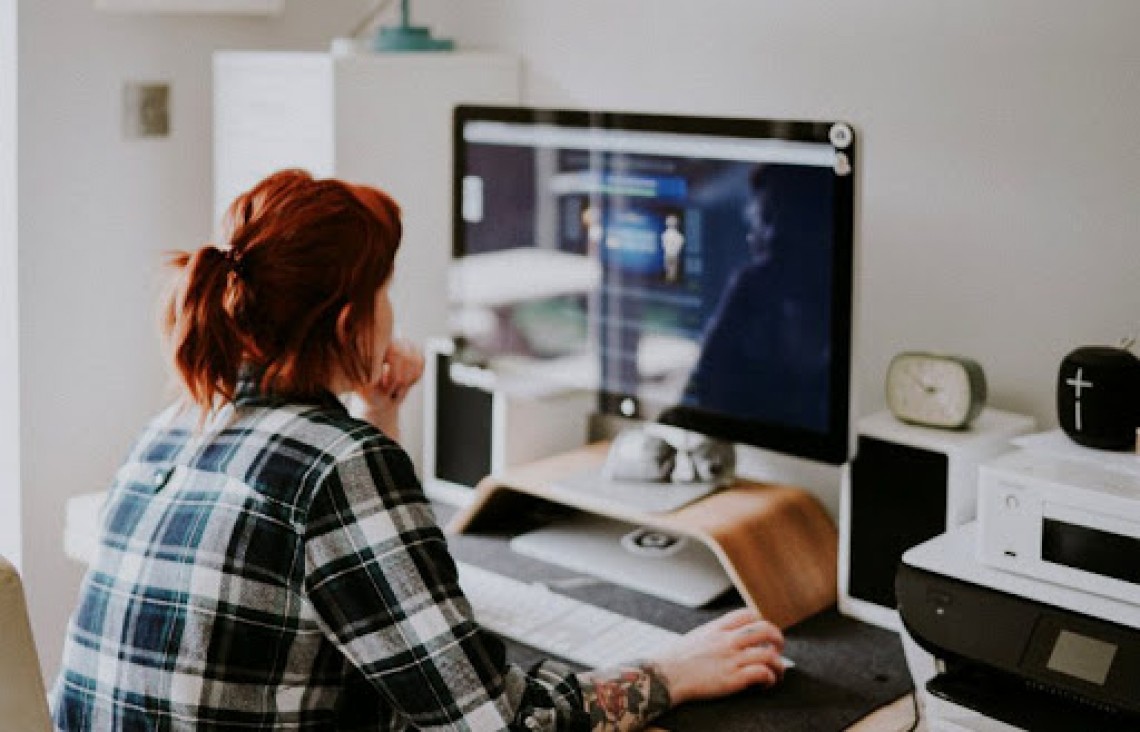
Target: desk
column 845, row 669
column 898, row 715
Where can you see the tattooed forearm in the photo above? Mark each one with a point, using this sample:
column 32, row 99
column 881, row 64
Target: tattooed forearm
column 625, row 698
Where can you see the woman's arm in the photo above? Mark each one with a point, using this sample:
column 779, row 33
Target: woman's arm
column 722, row 657
column 386, row 591
column 382, row 492
column 624, row 698
column 380, row 402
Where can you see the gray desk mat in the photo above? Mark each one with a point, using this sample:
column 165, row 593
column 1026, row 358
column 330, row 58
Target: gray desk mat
column 845, row 669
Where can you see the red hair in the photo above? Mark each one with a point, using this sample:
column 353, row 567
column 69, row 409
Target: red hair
column 293, row 293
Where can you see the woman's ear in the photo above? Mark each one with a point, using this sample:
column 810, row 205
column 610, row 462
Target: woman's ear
column 348, row 364
column 344, row 327
column 355, row 358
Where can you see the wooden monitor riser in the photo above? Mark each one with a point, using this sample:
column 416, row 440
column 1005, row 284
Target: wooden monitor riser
column 776, row 543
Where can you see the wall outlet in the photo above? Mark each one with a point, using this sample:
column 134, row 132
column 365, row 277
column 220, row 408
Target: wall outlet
column 146, row 109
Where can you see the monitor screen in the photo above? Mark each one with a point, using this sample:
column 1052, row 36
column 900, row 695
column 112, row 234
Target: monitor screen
column 696, row 271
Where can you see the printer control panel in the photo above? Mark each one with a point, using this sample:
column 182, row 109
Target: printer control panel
column 1092, row 663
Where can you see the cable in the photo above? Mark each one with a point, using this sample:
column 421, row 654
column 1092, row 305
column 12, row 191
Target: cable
column 369, row 18
column 917, row 712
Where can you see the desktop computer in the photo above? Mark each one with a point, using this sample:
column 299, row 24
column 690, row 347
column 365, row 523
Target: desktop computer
column 685, row 271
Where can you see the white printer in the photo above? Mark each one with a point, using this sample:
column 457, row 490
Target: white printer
column 1011, row 652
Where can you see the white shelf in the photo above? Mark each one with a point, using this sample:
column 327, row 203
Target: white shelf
column 227, row 7
column 381, row 119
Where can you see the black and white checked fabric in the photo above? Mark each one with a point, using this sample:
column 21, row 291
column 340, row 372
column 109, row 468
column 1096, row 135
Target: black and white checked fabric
column 279, row 568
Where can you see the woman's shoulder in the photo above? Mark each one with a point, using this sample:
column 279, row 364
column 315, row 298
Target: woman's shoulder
column 360, row 465
column 309, row 433
column 331, row 430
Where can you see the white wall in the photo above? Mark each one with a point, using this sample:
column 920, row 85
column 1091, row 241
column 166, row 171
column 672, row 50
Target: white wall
column 1000, row 182
column 97, row 212
column 9, row 357
column 999, row 148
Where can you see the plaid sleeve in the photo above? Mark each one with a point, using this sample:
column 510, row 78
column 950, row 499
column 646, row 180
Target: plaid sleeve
column 386, row 590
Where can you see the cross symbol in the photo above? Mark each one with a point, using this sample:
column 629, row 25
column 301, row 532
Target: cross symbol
column 1078, row 381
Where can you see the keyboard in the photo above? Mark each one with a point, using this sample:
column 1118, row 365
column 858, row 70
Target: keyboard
column 573, row 630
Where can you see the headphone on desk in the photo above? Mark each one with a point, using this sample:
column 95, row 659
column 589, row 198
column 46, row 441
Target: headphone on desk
column 662, row 454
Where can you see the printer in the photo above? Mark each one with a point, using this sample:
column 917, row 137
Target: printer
column 1012, row 652
column 1029, row 618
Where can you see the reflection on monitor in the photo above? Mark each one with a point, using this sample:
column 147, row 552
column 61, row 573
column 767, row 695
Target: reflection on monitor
column 696, row 271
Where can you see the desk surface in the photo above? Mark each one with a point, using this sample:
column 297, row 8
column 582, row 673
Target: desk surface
column 844, row 669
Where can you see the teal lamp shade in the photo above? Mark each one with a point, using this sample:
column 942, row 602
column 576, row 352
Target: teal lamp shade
column 406, row 37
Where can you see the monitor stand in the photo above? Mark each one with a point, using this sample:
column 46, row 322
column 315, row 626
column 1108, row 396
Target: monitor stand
column 650, row 497
column 658, row 563
column 775, row 542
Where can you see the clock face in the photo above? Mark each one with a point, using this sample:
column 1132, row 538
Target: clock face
column 939, row 391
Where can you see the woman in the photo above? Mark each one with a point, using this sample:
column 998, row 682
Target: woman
column 270, row 562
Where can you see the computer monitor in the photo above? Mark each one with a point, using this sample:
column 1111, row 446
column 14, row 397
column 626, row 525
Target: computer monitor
column 692, row 270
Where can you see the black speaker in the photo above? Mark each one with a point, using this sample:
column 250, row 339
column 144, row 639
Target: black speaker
column 1098, row 397
column 475, row 424
column 898, row 500
column 462, row 422
column 907, row 484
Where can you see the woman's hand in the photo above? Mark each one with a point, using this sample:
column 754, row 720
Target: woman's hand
column 722, row 657
column 401, row 369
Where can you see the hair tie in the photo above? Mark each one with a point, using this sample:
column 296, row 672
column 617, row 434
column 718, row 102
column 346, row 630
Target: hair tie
column 235, row 262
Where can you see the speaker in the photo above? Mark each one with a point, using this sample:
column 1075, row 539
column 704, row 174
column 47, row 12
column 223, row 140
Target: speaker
column 907, row 484
column 476, row 424
column 1098, row 397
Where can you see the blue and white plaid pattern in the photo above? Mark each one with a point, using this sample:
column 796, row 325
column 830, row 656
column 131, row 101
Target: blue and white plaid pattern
column 280, row 569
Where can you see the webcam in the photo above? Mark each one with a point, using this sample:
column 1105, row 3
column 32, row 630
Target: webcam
column 840, row 135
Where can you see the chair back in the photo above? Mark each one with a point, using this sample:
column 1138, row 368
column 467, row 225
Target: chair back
column 23, row 702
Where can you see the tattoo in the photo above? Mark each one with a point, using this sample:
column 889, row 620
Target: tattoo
column 625, row 698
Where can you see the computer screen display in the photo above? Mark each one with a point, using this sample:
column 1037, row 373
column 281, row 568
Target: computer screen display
column 696, row 271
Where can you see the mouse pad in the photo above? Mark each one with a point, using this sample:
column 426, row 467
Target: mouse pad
column 845, row 669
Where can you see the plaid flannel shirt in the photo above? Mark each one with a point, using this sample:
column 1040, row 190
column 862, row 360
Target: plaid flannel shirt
column 281, row 569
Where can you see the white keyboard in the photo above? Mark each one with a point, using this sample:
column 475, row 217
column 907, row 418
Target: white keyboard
column 562, row 626
column 559, row 625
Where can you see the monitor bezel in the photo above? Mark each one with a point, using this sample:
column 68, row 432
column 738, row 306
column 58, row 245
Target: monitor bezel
column 832, row 446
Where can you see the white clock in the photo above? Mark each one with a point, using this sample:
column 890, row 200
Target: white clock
column 935, row 390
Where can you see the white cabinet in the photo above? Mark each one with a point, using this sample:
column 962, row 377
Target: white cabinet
column 227, row 7
column 370, row 118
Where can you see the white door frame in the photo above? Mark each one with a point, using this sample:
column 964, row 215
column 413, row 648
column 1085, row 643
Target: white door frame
column 10, row 511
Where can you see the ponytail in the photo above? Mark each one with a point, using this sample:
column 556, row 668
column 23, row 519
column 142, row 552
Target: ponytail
column 204, row 340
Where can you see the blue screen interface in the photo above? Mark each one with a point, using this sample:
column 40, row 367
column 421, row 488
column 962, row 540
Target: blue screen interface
column 680, row 269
